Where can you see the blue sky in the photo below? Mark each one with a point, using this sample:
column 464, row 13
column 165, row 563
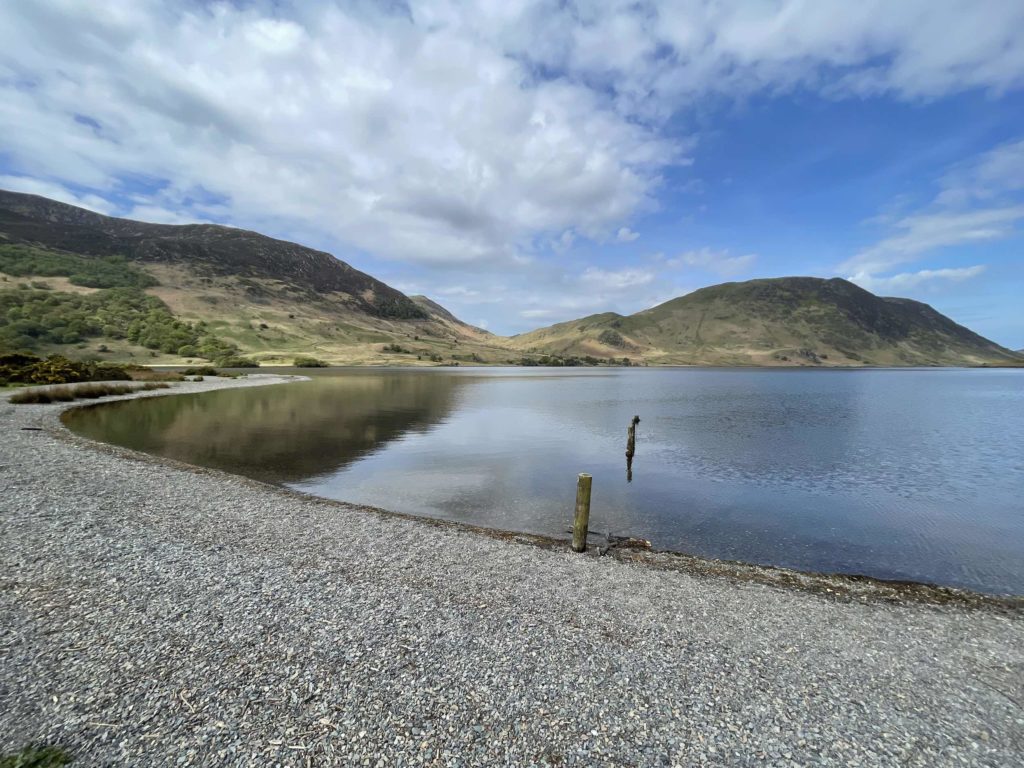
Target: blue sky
column 531, row 161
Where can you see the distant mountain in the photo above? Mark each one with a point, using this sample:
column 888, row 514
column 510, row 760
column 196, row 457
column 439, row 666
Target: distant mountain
column 270, row 298
column 780, row 321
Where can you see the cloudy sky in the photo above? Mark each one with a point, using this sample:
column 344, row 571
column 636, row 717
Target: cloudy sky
column 524, row 162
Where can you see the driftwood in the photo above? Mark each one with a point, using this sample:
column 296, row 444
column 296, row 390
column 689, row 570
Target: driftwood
column 622, row 542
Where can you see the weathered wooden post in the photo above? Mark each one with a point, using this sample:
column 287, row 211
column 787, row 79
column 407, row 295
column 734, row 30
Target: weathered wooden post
column 631, row 440
column 582, row 520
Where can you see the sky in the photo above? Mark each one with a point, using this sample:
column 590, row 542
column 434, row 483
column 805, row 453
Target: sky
column 525, row 162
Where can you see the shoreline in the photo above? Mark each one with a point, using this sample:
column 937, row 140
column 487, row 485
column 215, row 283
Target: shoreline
column 156, row 612
column 834, row 585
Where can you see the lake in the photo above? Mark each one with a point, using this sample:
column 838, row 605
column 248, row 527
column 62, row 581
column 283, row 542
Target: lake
column 897, row 474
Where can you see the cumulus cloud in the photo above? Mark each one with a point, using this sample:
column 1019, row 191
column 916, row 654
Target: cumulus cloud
column 924, row 232
column 471, row 135
column 717, row 261
column 56, row 191
column 978, row 202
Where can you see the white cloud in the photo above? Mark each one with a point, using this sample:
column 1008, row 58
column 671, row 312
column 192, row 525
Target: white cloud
column 536, row 313
column 471, row 135
column 978, row 202
column 717, row 261
column 995, row 172
column 615, row 280
column 55, row 191
column 907, row 281
column 927, row 231
column 415, row 140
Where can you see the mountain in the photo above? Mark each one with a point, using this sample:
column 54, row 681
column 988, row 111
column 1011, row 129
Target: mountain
column 780, row 321
column 206, row 249
column 270, row 298
column 89, row 285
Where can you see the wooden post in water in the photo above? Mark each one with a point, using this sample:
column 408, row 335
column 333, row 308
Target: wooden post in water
column 582, row 520
column 631, row 447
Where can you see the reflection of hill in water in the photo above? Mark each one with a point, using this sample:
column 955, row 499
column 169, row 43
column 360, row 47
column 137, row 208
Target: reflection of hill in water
column 280, row 433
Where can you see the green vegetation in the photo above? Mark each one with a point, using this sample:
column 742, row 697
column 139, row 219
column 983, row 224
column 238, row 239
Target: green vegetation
column 32, row 757
column 793, row 321
column 87, row 271
column 309, row 362
column 398, row 349
column 611, row 338
column 557, row 361
column 30, row 319
column 142, row 373
column 19, row 368
column 202, row 370
column 64, row 393
column 234, row 361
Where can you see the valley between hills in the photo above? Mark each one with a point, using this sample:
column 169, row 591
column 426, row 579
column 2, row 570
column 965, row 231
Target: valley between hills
column 84, row 285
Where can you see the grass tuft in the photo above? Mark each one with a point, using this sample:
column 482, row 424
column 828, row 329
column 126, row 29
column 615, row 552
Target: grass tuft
column 64, row 394
column 31, row 757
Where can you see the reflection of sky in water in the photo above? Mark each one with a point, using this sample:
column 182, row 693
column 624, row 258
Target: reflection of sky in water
column 899, row 474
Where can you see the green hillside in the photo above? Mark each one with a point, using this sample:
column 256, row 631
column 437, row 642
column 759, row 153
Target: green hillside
column 83, row 284
column 781, row 321
column 89, row 286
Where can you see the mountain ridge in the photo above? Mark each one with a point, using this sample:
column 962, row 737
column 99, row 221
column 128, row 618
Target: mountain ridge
column 274, row 300
column 774, row 321
column 222, row 250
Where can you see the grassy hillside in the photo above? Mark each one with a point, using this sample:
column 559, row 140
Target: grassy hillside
column 86, row 285
column 267, row 298
column 781, row 321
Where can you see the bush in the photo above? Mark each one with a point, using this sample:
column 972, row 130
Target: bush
column 22, row 368
column 141, row 373
column 234, row 361
column 309, row 362
column 202, row 370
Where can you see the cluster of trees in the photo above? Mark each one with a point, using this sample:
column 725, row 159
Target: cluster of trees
column 309, row 362
column 88, row 271
column 571, row 362
column 30, row 318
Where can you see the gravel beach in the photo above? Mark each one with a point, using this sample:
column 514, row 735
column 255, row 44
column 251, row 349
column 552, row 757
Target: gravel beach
column 158, row 615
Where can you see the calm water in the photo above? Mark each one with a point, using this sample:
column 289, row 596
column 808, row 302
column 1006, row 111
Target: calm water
column 908, row 474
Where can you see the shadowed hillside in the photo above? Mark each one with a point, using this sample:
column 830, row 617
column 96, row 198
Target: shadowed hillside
column 271, row 299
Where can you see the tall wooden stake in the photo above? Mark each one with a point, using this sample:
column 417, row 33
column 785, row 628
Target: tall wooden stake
column 631, row 440
column 582, row 521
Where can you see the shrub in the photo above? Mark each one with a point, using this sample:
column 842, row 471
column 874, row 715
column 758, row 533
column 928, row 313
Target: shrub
column 309, row 362
column 24, row 368
column 202, row 370
column 234, row 361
